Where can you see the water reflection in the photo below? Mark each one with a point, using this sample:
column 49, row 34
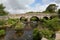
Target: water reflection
column 10, row 34
column 34, row 24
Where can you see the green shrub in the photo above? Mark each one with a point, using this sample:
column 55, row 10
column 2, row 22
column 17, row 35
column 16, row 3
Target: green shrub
column 46, row 33
column 11, row 21
column 19, row 26
column 50, row 27
column 36, row 35
column 53, row 24
column 2, row 32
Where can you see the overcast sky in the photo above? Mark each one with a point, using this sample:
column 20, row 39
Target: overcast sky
column 22, row 6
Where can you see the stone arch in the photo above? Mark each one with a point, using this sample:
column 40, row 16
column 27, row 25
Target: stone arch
column 45, row 17
column 34, row 18
column 23, row 19
column 52, row 16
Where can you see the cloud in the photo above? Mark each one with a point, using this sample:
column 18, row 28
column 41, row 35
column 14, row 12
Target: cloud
column 57, row 1
column 17, row 4
column 49, row 1
column 46, row 1
column 2, row 1
column 14, row 6
column 37, row 8
column 22, row 6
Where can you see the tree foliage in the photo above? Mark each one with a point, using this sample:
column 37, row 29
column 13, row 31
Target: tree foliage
column 59, row 13
column 51, row 8
column 2, row 11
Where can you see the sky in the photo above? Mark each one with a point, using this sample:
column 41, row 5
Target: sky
column 23, row 6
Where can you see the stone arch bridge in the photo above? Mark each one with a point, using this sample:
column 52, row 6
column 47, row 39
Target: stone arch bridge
column 28, row 16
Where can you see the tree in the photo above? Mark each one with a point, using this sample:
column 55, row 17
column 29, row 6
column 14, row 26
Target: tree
column 2, row 11
column 51, row 8
column 59, row 13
